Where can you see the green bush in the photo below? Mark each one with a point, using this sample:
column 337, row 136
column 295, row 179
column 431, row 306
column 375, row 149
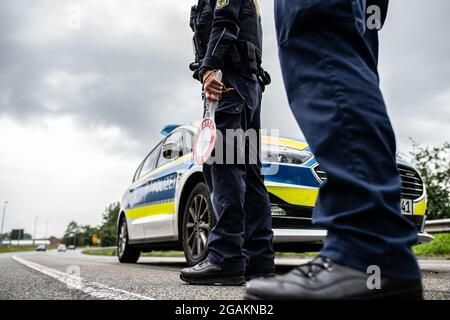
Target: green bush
column 439, row 246
column 434, row 167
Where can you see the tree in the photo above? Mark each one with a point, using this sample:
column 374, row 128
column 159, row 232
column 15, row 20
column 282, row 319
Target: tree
column 27, row 236
column 71, row 232
column 79, row 235
column 433, row 164
column 108, row 229
column 86, row 233
column 107, row 232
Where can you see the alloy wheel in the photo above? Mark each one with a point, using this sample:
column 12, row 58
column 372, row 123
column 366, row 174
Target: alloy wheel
column 198, row 226
column 122, row 238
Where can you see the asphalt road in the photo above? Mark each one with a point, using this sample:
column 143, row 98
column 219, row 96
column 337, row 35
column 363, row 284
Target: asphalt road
column 71, row 275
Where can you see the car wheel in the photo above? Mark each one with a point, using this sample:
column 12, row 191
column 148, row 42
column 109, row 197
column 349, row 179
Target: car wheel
column 125, row 252
column 197, row 224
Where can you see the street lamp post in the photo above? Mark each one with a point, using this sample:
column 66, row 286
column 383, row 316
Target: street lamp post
column 3, row 220
column 35, row 226
column 46, row 229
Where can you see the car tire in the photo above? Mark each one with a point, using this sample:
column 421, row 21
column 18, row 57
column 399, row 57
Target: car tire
column 198, row 221
column 126, row 252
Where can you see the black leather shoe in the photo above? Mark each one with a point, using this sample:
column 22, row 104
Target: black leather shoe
column 259, row 272
column 207, row 273
column 323, row 279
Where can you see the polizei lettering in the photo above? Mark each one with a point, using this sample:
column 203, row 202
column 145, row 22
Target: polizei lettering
column 160, row 185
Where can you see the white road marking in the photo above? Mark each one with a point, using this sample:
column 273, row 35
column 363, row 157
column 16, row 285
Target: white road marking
column 94, row 289
column 434, row 265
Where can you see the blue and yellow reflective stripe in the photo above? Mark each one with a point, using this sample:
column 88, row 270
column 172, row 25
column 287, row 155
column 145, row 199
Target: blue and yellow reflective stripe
column 420, row 208
column 164, row 167
column 167, row 208
column 284, row 142
column 307, row 197
column 293, row 194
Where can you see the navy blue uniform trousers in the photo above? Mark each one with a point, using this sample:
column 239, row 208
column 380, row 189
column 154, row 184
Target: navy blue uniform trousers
column 242, row 236
column 329, row 60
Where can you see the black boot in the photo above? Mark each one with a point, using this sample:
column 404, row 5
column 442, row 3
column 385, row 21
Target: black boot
column 253, row 272
column 323, row 279
column 207, row 273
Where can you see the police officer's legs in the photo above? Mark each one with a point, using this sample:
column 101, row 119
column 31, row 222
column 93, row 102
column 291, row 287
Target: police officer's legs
column 228, row 187
column 227, row 184
column 242, row 236
column 258, row 245
column 330, row 73
column 240, row 201
column 228, row 195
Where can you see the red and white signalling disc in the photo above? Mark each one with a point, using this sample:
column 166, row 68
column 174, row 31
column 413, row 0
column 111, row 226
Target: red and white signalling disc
column 205, row 140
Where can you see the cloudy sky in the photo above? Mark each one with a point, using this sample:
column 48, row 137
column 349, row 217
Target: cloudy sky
column 86, row 85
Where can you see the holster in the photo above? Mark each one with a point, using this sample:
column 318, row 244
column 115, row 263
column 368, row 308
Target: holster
column 264, row 78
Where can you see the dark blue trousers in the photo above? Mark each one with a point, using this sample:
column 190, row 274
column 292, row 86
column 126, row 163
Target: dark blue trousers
column 243, row 234
column 329, row 60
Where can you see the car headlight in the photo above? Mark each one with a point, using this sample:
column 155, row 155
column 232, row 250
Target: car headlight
column 404, row 158
column 272, row 153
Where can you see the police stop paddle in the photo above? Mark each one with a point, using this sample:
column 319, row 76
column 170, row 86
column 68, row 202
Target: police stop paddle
column 205, row 138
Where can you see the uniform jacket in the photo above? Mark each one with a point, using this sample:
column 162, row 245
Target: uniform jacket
column 233, row 20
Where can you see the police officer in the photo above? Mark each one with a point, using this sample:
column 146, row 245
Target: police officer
column 240, row 244
column 329, row 55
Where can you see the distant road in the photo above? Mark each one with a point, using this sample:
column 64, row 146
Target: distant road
column 72, row 275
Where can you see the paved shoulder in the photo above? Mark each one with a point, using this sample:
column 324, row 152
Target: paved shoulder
column 19, row 282
column 76, row 276
column 72, row 275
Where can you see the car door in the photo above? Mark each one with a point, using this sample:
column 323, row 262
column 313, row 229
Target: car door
column 136, row 196
column 161, row 190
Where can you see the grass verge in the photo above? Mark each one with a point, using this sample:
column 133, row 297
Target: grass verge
column 113, row 252
column 8, row 249
column 439, row 248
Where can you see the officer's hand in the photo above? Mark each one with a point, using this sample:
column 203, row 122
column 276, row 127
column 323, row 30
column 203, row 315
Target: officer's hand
column 213, row 87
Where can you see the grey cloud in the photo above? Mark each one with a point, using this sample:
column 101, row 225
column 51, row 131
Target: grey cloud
column 139, row 83
column 415, row 68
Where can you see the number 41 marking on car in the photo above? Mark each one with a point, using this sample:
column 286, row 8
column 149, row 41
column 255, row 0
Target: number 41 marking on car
column 407, row 207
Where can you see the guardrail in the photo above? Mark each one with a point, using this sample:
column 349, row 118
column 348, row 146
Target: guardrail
column 438, row 226
column 100, row 248
column 23, row 242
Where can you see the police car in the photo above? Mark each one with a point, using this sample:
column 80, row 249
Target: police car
column 168, row 204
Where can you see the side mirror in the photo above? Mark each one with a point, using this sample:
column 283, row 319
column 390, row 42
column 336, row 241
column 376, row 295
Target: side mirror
column 171, row 151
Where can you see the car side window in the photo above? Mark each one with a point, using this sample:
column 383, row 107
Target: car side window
column 172, row 148
column 138, row 171
column 188, row 141
column 150, row 161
